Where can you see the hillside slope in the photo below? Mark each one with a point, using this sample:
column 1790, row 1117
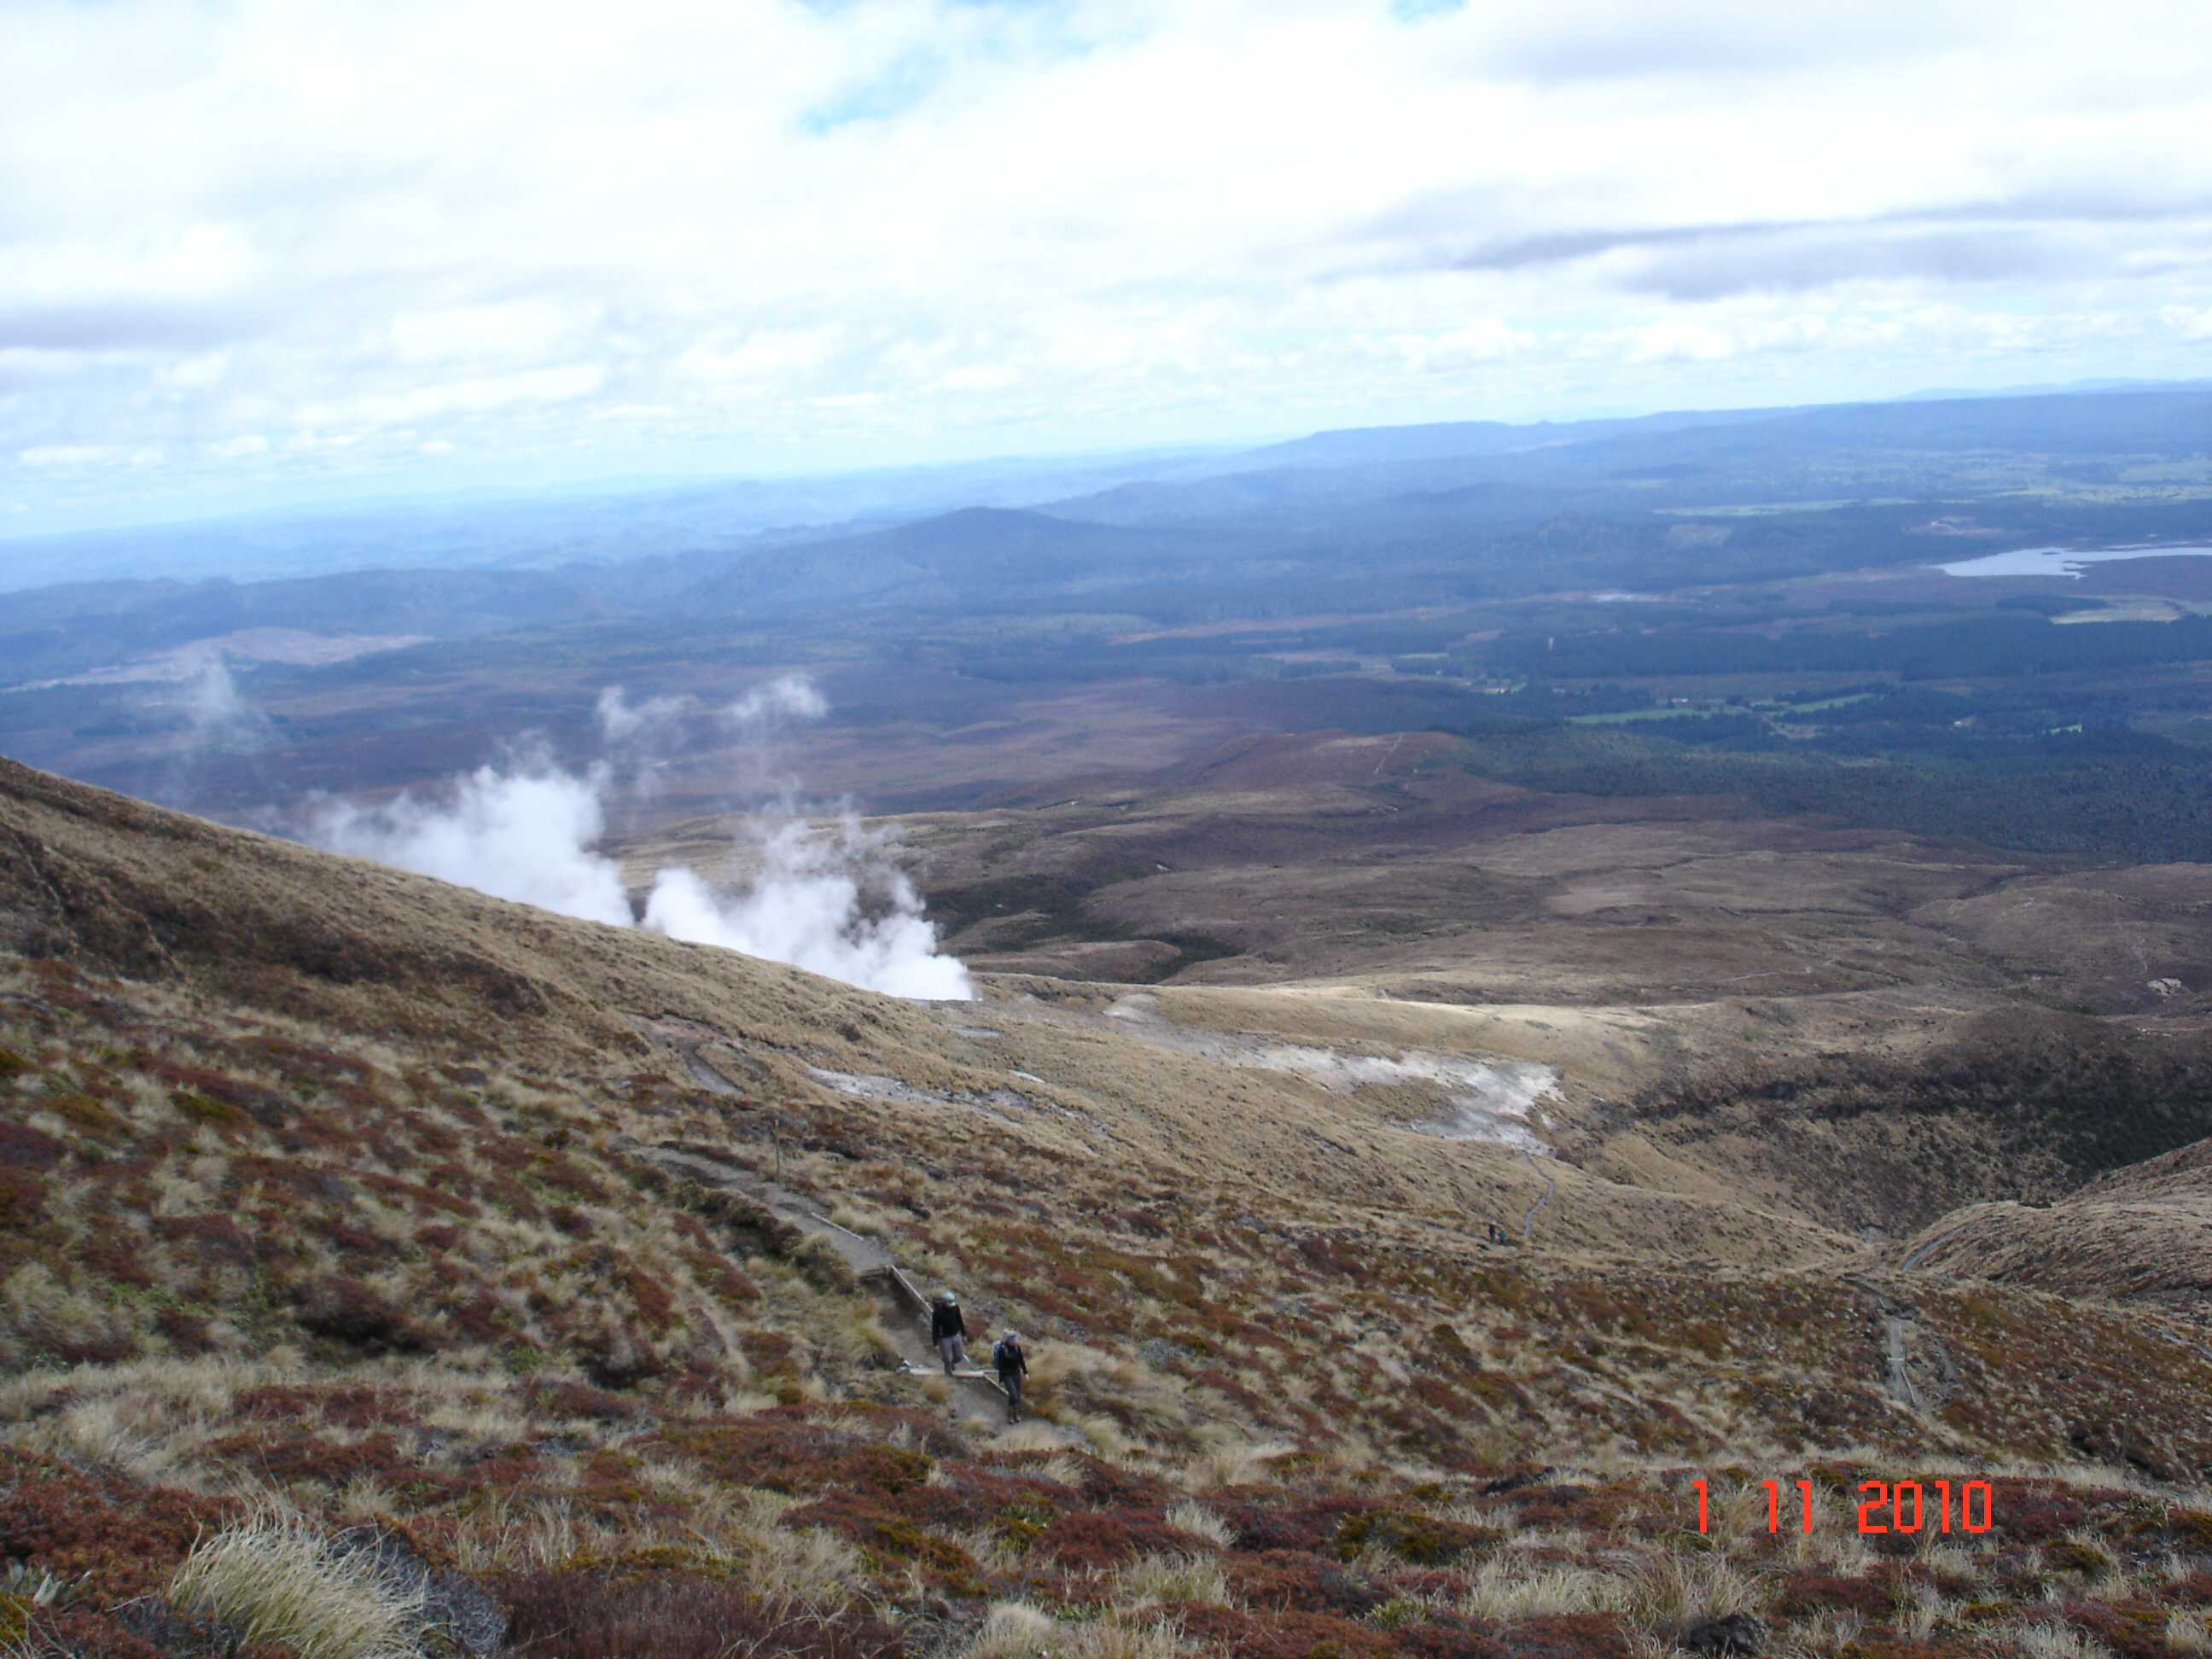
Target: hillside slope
column 337, row 1197
column 2139, row 1234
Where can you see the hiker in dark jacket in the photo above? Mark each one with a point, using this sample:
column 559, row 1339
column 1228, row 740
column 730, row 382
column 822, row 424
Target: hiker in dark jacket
column 947, row 1332
column 1014, row 1366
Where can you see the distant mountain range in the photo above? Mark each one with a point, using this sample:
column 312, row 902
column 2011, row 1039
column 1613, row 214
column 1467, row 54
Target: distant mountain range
column 1353, row 465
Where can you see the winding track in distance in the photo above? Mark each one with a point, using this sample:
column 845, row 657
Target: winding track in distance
column 1920, row 1253
column 1550, row 1186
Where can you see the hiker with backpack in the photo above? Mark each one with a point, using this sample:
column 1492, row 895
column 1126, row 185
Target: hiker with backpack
column 947, row 1333
column 1014, row 1364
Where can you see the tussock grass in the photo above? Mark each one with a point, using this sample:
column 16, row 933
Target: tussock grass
column 988, row 1549
column 1504, row 1590
column 1202, row 1523
column 806, row 1568
column 735, row 1532
column 1824, row 1634
column 1929, row 1608
column 1570, row 1543
column 503, row 1534
column 557, row 1326
column 1233, row 1462
column 1019, row 1630
column 280, row 1582
column 1672, row 1589
column 1015, row 1630
column 1061, row 1470
column 2055, row 1641
column 1026, row 1436
column 1181, row 1577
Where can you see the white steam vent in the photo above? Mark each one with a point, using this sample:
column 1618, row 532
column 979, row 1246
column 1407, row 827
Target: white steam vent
column 830, row 900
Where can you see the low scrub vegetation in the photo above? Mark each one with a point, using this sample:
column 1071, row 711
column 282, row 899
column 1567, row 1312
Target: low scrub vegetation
column 279, row 1583
column 351, row 1339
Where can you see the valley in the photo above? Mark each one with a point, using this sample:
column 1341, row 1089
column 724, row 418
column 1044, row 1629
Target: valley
column 1505, row 985
column 426, row 1168
column 1016, row 829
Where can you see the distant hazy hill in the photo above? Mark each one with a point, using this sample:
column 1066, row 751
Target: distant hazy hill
column 614, row 524
column 978, row 553
column 1453, row 440
column 611, row 524
column 2053, row 389
column 1383, row 479
column 52, row 632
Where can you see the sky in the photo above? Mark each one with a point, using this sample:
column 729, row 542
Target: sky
column 256, row 253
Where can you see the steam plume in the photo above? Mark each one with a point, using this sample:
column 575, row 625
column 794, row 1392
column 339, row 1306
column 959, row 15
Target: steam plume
column 218, row 717
column 790, row 696
column 832, row 904
column 623, row 721
column 831, row 901
column 523, row 835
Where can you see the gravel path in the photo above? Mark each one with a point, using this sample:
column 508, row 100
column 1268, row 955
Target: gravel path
column 704, row 1074
column 1921, row 1252
column 1894, row 1327
column 1550, row 1186
column 904, row 1311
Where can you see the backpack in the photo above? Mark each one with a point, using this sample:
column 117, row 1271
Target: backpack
column 1003, row 1357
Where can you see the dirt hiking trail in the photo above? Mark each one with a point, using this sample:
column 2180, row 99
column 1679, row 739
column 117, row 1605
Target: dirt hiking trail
column 1550, row 1186
column 904, row 1311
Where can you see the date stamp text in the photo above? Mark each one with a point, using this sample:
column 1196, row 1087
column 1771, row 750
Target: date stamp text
column 1884, row 1506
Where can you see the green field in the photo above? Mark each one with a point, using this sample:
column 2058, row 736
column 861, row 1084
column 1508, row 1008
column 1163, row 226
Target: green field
column 1622, row 717
column 1827, row 702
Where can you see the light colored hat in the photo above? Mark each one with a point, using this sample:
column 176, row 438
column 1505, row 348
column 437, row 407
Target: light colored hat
column 946, row 1296
column 1011, row 1337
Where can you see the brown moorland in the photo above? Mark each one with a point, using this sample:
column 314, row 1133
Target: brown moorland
column 1857, row 1026
column 346, row 1308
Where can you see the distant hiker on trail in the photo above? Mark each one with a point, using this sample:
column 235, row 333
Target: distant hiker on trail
column 1014, row 1366
column 947, row 1332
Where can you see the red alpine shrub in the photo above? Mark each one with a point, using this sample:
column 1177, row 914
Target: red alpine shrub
column 582, row 1615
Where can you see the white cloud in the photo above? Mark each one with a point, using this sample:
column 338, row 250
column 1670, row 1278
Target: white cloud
column 231, row 449
column 981, row 377
column 311, row 442
column 522, row 328
column 640, row 413
column 881, row 230
column 68, row 454
column 197, row 373
column 1712, row 338
column 474, row 396
column 1476, row 343
column 765, row 356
